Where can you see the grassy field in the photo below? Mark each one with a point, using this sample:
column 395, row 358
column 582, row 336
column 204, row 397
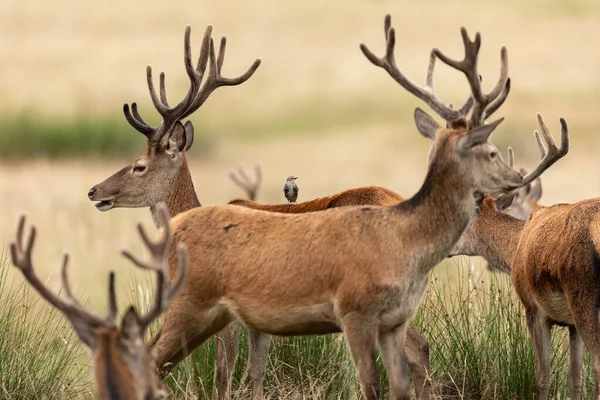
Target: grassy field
column 68, row 67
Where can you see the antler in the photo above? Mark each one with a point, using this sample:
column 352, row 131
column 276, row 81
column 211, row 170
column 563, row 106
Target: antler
column 549, row 152
column 454, row 118
column 241, row 177
column 82, row 320
column 388, row 63
column 196, row 96
column 159, row 253
column 469, row 67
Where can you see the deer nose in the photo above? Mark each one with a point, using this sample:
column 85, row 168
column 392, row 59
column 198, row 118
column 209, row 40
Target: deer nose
column 91, row 192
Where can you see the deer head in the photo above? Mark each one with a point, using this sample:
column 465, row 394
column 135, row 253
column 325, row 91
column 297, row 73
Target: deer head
column 122, row 363
column 162, row 173
column 472, row 150
column 496, row 232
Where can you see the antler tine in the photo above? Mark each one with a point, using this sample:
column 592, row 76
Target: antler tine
column 552, row 153
column 72, row 310
column 468, row 65
column 511, row 157
column 137, row 123
column 158, row 264
column 112, row 300
column 215, row 79
column 540, row 144
column 495, row 105
column 388, row 63
column 163, row 91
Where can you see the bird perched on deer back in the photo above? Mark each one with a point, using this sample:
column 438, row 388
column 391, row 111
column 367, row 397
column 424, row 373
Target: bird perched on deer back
column 290, row 189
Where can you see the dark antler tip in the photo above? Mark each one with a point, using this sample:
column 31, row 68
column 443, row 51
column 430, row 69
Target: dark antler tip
column 126, row 107
column 149, row 69
column 388, row 17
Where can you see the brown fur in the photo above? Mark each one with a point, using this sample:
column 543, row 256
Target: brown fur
column 360, row 196
column 493, row 236
column 362, row 269
column 417, row 348
column 115, row 378
column 177, row 190
column 556, row 274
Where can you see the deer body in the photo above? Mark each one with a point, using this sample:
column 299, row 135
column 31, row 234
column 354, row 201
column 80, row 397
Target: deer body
column 556, row 279
column 361, row 270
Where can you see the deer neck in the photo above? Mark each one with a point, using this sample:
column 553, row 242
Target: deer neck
column 440, row 211
column 181, row 197
column 497, row 239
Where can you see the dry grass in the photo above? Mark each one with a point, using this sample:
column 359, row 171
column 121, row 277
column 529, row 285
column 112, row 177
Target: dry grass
column 70, row 57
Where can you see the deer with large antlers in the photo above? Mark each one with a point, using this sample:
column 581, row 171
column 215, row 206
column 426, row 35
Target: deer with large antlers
column 162, row 174
column 554, row 262
column 123, row 367
column 360, row 270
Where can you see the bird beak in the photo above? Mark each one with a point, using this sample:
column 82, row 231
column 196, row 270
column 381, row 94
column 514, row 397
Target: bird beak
column 295, row 177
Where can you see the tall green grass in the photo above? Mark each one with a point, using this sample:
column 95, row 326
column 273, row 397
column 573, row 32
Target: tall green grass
column 479, row 347
column 40, row 358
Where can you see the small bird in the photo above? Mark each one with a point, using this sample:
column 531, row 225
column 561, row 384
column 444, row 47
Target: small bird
column 290, row 189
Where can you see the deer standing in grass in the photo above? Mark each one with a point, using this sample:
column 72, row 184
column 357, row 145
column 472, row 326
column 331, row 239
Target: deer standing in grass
column 359, row 270
column 162, row 175
column 554, row 262
column 123, row 367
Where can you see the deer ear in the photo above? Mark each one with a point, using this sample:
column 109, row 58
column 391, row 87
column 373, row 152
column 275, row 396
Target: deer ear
column 131, row 326
column 425, row 124
column 477, row 136
column 177, row 139
column 189, row 135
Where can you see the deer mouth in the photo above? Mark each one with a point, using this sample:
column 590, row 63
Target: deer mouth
column 106, row 204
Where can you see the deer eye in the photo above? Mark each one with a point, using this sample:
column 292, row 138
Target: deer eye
column 139, row 168
column 493, row 154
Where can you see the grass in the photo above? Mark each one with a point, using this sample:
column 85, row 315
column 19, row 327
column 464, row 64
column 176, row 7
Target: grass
column 479, row 348
column 38, row 351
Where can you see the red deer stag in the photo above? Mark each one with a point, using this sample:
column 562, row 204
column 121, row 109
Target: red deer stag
column 496, row 233
column 123, row 367
column 360, row 270
column 162, row 175
column 555, row 273
column 556, row 277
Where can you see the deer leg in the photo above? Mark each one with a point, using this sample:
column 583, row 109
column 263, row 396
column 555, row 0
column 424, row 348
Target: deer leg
column 417, row 354
column 392, row 345
column 539, row 328
column 257, row 360
column 574, row 379
column 586, row 320
column 228, row 341
column 182, row 332
column 360, row 333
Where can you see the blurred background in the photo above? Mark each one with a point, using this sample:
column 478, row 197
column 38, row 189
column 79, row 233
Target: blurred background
column 316, row 108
